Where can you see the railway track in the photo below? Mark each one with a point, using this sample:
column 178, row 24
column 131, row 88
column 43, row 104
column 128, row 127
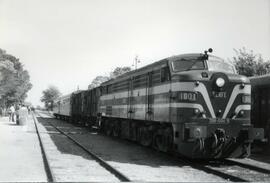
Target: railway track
column 245, row 172
column 230, row 170
column 248, row 166
column 103, row 163
column 212, row 170
column 49, row 174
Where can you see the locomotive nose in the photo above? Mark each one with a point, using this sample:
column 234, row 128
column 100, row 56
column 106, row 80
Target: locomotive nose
column 219, row 92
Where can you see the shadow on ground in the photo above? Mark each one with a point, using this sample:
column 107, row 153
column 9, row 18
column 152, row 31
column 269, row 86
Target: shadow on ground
column 109, row 149
column 262, row 154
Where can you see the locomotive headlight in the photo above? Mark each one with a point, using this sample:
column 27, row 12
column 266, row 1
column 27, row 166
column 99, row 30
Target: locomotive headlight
column 220, row 82
column 241, row 113
column 197, row 111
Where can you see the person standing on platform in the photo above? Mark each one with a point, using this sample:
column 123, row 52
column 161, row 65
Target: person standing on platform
column 11, row 113
column 1, row 111
column 17, row 108
column 23, row 117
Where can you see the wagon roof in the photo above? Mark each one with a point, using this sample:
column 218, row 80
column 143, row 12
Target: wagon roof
column 260, row 80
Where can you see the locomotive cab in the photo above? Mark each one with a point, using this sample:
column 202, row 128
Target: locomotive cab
column 210, row 108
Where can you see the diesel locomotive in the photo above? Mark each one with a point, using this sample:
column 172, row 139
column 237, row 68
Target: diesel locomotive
column 195, row 105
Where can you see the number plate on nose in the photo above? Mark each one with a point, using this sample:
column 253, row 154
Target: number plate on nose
column 219, row 94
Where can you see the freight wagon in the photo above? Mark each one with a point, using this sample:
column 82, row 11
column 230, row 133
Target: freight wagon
column 260, row 111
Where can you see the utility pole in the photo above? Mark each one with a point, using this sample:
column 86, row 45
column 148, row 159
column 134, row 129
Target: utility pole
column 136, row 60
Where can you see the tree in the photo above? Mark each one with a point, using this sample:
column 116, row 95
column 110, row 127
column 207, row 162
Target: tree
column 97, row 81
column 119, row 71
column 14, row 80
column 49, row 95
column 115, row 73
column 249, row 64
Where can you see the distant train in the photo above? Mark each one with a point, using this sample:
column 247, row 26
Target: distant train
column 192, row 104
column 260, row 111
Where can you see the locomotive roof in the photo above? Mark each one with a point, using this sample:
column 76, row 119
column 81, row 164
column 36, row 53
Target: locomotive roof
column 260, row 80
column 138, row 71
column 153, row 66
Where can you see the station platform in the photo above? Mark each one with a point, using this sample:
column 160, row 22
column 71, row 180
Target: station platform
column 20, row 154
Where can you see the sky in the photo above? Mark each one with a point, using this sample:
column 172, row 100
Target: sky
column 67, row 43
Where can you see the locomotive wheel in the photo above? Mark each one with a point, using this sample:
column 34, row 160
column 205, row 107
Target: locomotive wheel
column 245, row 151
column 145, row 136
column 164, row 139
column 116, row 129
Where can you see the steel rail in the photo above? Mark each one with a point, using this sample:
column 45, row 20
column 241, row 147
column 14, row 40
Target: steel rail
column 102, row 162
column 248, row 166
column 206, row 169
column 49, row 174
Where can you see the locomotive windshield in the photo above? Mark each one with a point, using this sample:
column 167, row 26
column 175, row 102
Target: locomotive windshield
column 215, row 64
column 187, row 64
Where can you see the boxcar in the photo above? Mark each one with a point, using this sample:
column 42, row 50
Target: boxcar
column 90, row 106
column 260, row 111
column 76, row 111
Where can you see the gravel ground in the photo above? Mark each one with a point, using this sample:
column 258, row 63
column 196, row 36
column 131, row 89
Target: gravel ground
column 137, row 162
column 68, row 162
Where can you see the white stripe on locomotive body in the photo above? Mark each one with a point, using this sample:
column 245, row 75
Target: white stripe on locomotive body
column 140, row 110
column 161, row 89
column 190, row 86
column 236, row 90
column 115, row 95
column 183, row 86
column 166, row 105
column 241, row 107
